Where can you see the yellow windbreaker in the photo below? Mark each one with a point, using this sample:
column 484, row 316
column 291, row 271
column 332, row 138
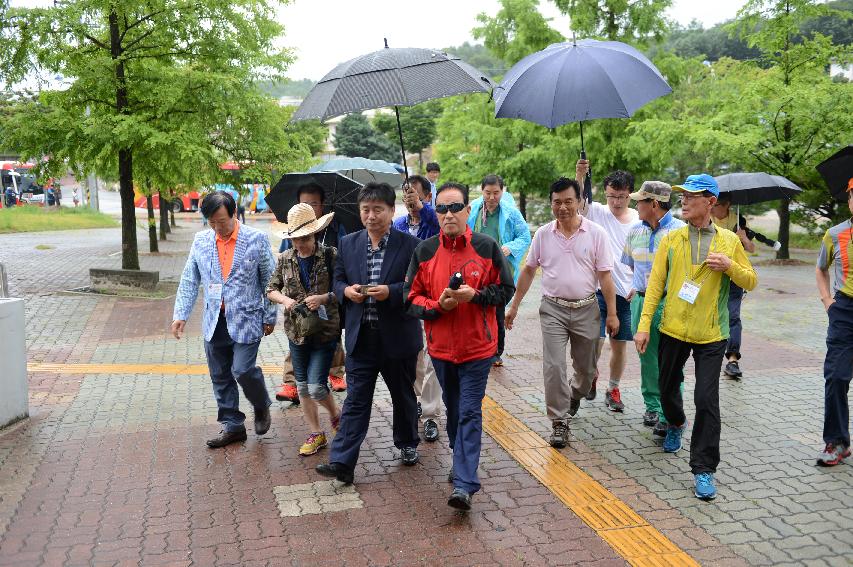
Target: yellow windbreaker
column 707, row 319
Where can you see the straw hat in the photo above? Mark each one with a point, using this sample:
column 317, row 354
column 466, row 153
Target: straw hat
column 301, row 221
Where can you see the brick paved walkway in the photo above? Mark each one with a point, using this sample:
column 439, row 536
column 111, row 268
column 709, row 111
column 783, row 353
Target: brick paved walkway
column 111, row 468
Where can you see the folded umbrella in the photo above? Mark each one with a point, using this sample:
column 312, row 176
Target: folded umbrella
column 750, row 188
column 837, row 170
column 362, row 170
column 340, row 191
column 577, row 81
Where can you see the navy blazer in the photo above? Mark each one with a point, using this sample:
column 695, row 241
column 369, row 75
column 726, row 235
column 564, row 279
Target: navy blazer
column 401, row 333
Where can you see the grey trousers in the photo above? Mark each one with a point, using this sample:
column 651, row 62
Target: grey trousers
column 580, row 328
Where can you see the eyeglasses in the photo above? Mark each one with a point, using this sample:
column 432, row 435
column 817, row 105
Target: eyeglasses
column 692, row 196
column 617, row 197
column 452, row 207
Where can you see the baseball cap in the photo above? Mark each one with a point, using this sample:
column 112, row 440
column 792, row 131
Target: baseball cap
column 699, row 183
column 657, row 190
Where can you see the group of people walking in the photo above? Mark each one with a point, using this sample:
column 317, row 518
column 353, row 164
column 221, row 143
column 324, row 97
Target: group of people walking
column 425, row 300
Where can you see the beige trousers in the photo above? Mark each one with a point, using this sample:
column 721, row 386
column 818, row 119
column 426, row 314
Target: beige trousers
column 580, row 328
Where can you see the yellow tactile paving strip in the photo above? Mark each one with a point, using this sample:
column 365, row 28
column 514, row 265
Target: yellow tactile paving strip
column 613, row 520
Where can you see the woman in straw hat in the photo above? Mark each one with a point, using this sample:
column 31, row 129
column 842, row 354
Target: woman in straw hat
column 302, row 283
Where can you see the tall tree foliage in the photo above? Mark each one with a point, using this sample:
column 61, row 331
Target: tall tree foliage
column 164, row 73
column 355, row 137
column 418, row 124
column 631, row 21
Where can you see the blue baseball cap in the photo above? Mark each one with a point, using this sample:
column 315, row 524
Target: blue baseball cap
column 698, row 184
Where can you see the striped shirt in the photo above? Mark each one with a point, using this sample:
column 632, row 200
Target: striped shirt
column 835, row 250
column 640, row 246
column 374, row 269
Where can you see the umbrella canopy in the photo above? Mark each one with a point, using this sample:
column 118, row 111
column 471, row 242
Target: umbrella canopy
column 390, row 77
column 362, row 170
column 576, row 81
column 341, row 196
column 749, row 188
column 837, row 171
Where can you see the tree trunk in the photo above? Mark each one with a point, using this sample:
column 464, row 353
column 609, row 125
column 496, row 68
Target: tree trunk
column 152, row 224
column 784, row 228
column 129, row 249
column 420, row 161
column 522, row 204
column 172, row 213
column 164, row 217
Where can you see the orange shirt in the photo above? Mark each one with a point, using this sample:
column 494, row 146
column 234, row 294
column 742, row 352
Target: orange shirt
column 225, row 247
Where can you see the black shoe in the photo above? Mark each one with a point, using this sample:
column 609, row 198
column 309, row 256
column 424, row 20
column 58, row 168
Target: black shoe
column 574, row 406
column 263, row 420
column 650, row 418
column 459, row 499
column 430, row 430
column 450, row 475
column 659, row 429
column 226, row 438
column 420, row 410
column 591, row 394
column 733, row 370
column 560, row 435
column 335, row 470
column 409, row 455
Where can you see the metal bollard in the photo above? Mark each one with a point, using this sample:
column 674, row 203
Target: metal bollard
column 4, row 282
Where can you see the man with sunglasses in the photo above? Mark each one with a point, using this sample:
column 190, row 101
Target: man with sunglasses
column 616, row 218
column 693, row 267
column 455, row 281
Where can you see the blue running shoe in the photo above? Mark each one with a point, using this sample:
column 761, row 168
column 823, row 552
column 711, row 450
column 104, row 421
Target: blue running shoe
column 705, row 489
column 672, row 441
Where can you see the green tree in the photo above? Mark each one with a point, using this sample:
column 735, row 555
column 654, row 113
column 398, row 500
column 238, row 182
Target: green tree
column 355, row 137
column 157, row 69
column 418, row 124
column 631, row 21
column 516, row 31
column 480, row 57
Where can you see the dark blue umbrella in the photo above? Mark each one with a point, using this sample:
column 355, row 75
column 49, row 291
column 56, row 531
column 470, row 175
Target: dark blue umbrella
column 576, row 81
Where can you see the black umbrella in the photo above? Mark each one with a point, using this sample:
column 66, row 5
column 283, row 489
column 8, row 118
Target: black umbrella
column 750, row 188
column 390, row 77
column 837, row 172
column 341, row 196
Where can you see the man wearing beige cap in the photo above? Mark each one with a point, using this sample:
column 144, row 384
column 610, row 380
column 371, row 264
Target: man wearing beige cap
column 656, row 220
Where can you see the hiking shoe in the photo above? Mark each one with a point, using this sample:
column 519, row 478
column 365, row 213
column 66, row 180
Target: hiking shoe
column 704, row 483
column 591, row 394
column 659, row 429
column 650, row 418
column 732, row 370
column 336, row 423
column 314, row 443
column 574, row 406
column 672, row 441
column 833, row 454
column 339, row 384
column 560, row 435
column 287, row 393
column 409, row 456
column 460, row 500
column 430, row 430
column 613, row 400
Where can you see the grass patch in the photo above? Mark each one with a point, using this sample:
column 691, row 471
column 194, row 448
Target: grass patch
column 45, row 247
column 37, row 219
column 800, row 240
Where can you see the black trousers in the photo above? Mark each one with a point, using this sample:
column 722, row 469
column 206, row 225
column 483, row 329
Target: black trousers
column 708, row 358
column 363, row 367
column 500, row 314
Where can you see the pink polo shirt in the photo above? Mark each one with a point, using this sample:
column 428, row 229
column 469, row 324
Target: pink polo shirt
column 569, row 264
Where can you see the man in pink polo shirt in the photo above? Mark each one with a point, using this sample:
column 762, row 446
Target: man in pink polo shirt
column 575, row 258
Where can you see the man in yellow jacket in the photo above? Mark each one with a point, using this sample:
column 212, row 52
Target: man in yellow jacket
column 691, row 274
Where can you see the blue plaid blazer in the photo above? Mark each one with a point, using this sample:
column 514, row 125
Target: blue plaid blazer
column 246, row 305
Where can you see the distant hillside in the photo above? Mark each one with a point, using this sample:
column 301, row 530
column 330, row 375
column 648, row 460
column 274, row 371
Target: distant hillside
column 481, row 58
column 287, row 88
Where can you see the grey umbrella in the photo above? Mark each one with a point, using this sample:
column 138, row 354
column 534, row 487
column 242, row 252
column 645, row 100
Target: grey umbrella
column 576, row 81
column 750, row 188
column 390, row 77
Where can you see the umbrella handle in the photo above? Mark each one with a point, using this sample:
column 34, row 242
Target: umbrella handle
column 587, row 181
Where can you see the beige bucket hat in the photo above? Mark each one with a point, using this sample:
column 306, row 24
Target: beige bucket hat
column 301, row 221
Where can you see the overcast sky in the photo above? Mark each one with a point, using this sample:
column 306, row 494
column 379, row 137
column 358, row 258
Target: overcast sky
column 324, row 33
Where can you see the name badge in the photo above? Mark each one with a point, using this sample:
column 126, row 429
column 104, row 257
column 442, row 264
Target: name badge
column 321, row 311
column 689, row 291
column 214, row 293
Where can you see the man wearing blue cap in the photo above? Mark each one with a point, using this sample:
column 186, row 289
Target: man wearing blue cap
column 691, row 273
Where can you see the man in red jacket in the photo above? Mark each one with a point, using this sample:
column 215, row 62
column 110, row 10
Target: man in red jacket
column 455, row 281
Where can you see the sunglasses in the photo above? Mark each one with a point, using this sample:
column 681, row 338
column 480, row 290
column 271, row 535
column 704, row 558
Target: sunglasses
column 452, row 207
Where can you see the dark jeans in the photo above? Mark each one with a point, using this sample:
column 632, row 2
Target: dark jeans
column 463, row 387
column 311, row 364
column 230, row 364
column 736, row 294
column 708, row 359
column 837, row 371
column 500, row 312
column 363, row 366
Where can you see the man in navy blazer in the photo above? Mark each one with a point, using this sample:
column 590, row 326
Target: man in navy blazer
column 381, row 337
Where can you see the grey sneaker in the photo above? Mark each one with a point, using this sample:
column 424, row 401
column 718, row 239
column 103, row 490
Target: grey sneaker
column 613, row 400
column 560, row 435
column 650, row 418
